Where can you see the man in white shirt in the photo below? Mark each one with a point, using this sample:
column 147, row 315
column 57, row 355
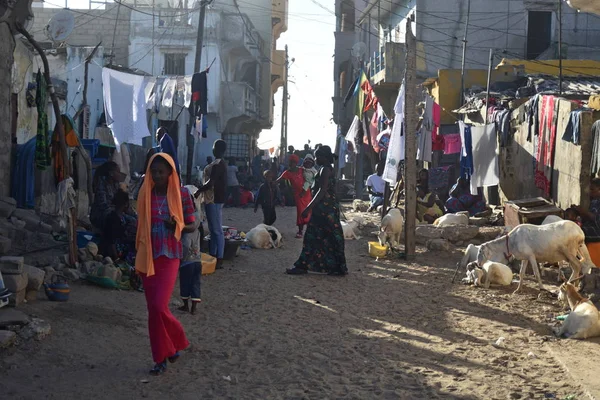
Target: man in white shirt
column 376, row 188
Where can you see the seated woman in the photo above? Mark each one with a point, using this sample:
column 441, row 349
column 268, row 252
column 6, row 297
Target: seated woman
column 118, row 235
column 428, row 208
column 461, row 199
column 106, row 184
column 591, row 217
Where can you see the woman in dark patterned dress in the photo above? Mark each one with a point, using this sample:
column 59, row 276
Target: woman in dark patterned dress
column 323, row 247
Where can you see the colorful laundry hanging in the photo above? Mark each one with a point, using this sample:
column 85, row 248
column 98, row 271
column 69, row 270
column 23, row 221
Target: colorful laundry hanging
column 125, row 105
column 397, row 144
column 438, row 139
column 544, row 155
column 42, row 145
column 484, row 146
column 466, row 153
column 452, row 144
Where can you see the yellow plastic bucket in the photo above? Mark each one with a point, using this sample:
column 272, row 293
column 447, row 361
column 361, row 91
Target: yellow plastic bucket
column 209, row 264
column 376, row 250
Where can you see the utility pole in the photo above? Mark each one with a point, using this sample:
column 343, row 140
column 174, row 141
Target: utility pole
column 410, row 165
column 489, row 82
column 190, row 139
column 560, row 67
column 464, row 56
column 284, row 110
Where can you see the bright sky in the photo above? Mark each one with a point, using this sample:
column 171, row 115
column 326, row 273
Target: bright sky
column 311, row 42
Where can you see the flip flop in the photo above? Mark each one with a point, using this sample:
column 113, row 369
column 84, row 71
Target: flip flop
column 159, row 368
column 174, row 358
column 299, row 236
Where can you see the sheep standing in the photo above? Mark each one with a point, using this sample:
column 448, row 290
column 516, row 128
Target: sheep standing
column 390, row 230
column 530, row 244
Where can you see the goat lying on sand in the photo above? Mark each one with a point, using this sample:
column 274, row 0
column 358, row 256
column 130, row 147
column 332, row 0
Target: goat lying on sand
column 490, row 273
column 460, row 218
column 584, row 320
column 264, row 237
column 390, row 230
column 530, row 244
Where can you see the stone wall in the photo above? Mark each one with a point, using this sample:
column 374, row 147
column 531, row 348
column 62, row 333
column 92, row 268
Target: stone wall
column 91, row 28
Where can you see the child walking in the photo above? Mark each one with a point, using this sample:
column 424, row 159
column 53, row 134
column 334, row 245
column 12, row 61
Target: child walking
column 268, row 194
column 190, row 270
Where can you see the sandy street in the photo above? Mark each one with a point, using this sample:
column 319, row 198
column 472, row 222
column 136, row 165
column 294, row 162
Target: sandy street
column 389, row 330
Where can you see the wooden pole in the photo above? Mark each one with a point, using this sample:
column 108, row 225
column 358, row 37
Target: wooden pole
column 60, row 129
column 464, row 55
column 560, row 63
column 284, row 111
column 190, row 139
column 489, row 83
column 411, row 143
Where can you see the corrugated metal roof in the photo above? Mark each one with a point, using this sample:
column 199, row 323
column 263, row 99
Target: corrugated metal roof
column 581, row 87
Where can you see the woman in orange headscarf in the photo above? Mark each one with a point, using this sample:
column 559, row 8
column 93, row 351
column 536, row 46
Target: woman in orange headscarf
column 302, row 198
column 165, row 210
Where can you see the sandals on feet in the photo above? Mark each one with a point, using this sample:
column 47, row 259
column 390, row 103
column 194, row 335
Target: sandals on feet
column 296, row 271
column 174, row 358
column 159, row 368
column 299, row 235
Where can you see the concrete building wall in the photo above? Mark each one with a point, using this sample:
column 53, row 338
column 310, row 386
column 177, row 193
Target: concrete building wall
column 571, row 172
column 501, row 25
column 91, row 28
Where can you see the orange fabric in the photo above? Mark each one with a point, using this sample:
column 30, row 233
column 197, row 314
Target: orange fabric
column 144, row 262
column 72, row 140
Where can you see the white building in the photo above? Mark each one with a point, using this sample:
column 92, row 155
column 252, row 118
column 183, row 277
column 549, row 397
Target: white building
column 238, row 45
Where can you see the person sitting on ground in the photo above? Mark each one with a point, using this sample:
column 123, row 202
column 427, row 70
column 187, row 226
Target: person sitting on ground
column 428, row 209
column 423, row 179
column 571, row 214
column 267, row 197
column 461, row 199
column 118, row 235
column 591, row 216
column 376, row 188
column 106, row 183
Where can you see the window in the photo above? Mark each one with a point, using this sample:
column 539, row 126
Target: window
column 237, row 145
column 174, row 64
column 539, row 33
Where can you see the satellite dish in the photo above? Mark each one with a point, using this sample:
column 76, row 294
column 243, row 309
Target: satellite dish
column 359, row 49
column 60, row 26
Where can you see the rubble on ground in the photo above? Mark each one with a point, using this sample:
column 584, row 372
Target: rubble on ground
column 16, row 325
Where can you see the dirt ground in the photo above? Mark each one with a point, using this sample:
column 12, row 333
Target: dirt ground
column 389, row 330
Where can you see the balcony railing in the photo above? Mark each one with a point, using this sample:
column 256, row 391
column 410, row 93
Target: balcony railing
column 387, row 64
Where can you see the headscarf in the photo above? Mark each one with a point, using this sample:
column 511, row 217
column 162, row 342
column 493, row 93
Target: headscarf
column 325, row 152
column 144, row 262
column 309, row 157
column 295, row 158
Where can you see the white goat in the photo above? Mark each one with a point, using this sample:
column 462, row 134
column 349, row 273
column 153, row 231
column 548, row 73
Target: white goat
column 584, row 320
column 350, row 229
column 530, row 244
column 460, row 218
column 264, row 237
column 391, row 227
column 491, row 273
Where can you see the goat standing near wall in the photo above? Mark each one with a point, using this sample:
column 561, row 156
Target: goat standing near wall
column 530, row 244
